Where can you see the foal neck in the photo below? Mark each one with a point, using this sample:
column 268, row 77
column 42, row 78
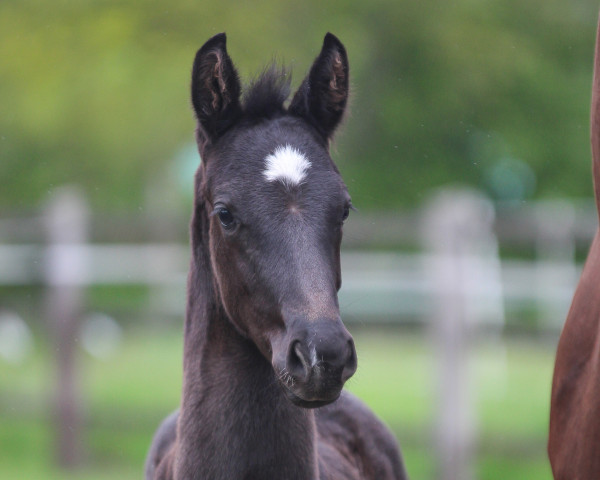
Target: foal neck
column 235, row 421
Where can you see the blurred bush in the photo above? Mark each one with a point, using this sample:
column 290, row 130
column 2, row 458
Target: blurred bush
column 96, row 92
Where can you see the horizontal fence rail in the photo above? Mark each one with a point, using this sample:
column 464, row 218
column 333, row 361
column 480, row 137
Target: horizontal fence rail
column 376, row 286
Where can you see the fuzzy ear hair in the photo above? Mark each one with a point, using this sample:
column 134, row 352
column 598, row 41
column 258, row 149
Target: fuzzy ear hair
column 323, row 95
column 215, row 89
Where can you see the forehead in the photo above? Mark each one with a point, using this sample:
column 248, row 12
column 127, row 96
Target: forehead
column 280, row 152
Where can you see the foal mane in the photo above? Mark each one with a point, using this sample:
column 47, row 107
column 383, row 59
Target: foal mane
column 264, row 98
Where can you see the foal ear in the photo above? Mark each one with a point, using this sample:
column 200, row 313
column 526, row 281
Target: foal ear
column 215, row 88
column 322, row 96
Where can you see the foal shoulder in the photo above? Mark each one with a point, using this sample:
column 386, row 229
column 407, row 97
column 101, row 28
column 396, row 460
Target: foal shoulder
column 162, row 443
column 349, row 429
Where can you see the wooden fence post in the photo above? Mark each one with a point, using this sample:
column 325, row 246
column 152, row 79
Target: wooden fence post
column 67, row 219
column 464, row 269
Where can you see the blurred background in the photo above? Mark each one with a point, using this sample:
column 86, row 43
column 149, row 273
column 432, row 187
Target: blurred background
column 466, row 153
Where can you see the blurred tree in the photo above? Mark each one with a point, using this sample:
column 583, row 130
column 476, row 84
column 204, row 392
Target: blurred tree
column 96, row 92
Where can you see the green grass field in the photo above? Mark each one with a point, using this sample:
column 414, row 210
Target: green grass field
column 125, row 398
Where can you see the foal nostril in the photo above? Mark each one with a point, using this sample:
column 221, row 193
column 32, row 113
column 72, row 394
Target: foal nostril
column 324, row 362
column 351, row 362
column 297, row 364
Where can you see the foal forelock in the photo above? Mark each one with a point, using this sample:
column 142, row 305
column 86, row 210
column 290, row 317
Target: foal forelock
column 287, row 165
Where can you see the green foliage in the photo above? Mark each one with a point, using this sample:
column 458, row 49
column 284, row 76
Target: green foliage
column 96, row 92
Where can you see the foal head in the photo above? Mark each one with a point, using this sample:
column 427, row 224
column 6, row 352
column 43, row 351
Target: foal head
column 272, row 203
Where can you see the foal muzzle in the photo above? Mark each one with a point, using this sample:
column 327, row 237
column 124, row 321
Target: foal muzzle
column 314, row 362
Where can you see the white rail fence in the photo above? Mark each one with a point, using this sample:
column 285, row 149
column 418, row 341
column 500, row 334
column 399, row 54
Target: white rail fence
column 377, row 286
column 380, row 286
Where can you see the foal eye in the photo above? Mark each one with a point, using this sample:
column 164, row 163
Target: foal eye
column 346, row 213
column 226, row 218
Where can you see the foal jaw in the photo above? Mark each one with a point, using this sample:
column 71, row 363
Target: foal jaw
column 300, row 402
